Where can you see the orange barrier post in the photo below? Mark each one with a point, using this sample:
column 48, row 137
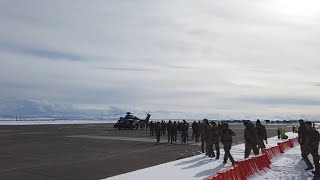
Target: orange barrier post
column 243, row 168
column 267, row 161
column 291, row 143
column 281, row 147
column 252, row 164
column 237, row 174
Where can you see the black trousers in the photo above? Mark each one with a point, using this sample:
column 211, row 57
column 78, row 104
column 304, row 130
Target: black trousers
column 315, row 157
column 218, row 149
column 202, row 144
column 158, row 137
column 209, row 150
column 227, row 154
column 248, row 148
column 170, row 137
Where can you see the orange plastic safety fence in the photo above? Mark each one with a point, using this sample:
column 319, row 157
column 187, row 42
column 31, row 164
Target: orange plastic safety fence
column 245, row 168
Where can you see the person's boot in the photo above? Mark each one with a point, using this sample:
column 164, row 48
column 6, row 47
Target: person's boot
column 224, row 161
column 308, row 168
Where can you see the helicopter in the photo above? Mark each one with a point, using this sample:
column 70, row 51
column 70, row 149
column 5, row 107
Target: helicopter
column 130, row 121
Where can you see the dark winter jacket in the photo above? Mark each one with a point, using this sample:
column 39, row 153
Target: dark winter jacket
column 211, row 134
column 302, row 130
column 261, row 131
column 312, row 140
column 250, row 136
column 226, row 136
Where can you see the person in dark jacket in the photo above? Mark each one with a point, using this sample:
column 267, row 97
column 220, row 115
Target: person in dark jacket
column 175, row 131
column 203, row 134
column 163, row 127
column 193, row 126
column 250, row 138
column 197, row 131
column 187, row 132
column 217, row 139
column 157, row 130
column 184, row 131
column 226, row 139
column 261, row 134
column 210, row 138
column 302, row 130
column 151, row 126
column 217, row 145
column 311, row 146
column 170, row 132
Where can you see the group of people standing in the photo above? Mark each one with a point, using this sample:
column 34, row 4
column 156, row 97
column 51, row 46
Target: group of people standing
column 171, row 129
column 254, row 137
column 212, row 134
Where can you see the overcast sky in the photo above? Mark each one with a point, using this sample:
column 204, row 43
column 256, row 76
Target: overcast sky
column 206, row 56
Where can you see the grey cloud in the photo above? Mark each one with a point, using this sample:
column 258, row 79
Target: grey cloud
column 39, row 52
column 179, row 67
column 125, row 69
column 281, row 101
column 16, row 85
column 201, row 55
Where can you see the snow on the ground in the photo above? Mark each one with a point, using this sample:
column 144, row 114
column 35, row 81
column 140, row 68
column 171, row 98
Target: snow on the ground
column 195, row 167
column 26, row 122
column 288, row 166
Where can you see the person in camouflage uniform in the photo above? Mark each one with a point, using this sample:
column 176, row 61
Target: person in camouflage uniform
column 175, row 131
column 197, row 131
column 203, row 134
column 151, row 128
column 193, row 126
column 302, row 134
column 187, row 132
column 157, row 130
column 311, row 146
column 261, row 135
column 226, row 139
column 163, row 127
column 170, row 132
column 250, row 138
column 217, row 139
column 184, row 131
column 217, row 144
column 210, row 138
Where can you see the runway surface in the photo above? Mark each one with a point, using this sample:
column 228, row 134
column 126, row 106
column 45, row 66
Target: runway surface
column 88, row 151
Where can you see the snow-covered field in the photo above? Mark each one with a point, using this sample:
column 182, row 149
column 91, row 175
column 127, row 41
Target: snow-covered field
column 288, row 166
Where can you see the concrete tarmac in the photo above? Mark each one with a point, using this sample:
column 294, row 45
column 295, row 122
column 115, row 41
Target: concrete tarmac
column 88, row 151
